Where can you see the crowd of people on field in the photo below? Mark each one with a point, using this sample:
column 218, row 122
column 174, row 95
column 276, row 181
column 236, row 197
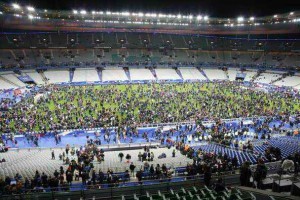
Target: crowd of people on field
column 69, row 107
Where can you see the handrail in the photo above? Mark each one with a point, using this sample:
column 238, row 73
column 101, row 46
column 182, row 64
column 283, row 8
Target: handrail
column 133, row 183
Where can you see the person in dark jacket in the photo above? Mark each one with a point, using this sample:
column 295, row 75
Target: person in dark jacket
column 207, row 175
column 100, row 177
column 246, row 173
column 260, row 173
column 69, row 177
column 121, row 155
column 93, row 177
column 132, row 167
column 219, row 186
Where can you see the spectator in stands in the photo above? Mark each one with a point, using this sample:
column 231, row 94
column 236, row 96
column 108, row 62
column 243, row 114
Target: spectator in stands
column 128, row 157
column 121, row 155
column 69, row 177
column 56, row 174
column 234, row 162
column 288, row 165
column 132, row 167
column 140, row 156
column 260, row 173
column 173, row 153
column 219, row 185
column 139, row 176
column 44, row 179
column 245, row 174
column 93, row 177
column 207, row 175
column 151, row 170
column 296, row 162
column 158, row 171
column 53, row 155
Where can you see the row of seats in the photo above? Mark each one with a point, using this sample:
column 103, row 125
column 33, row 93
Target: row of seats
column 142, row 40
column 10, row 80
column 194, row 193
column 94, row 57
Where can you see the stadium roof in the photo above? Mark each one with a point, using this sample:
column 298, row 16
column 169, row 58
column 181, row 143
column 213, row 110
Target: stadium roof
column 214, row 8
column 26, row 16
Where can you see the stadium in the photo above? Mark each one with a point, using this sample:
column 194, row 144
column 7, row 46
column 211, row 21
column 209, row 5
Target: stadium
column 100, row 104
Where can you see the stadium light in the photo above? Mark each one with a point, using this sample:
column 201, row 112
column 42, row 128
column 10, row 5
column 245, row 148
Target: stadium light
column 240, row 19
column 45, row 10
column 30, row 8
column 252, row 18
column 75, row 12
column 190, row 16
column 199, row 17
column 83, row 12
column 93, row 12
column 125, row 13
column 16, row 6
column 30, row 16
column 108, row 12
column 291, row 13
column 179, row 16
column 275, row 16
column 140, row 14
column 206, row 18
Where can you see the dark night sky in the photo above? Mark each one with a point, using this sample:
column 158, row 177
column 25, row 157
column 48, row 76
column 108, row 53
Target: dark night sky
column 213, row 8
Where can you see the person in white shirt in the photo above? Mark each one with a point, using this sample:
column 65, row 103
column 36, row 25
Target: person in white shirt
column 287, row 165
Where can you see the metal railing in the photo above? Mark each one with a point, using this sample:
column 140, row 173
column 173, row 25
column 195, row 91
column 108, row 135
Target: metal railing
column 112, row 191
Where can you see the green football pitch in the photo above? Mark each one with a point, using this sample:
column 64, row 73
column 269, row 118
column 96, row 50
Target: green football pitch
column 149, row 103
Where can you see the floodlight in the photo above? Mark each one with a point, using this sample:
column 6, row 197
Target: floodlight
column 45, row 10
column 16, row 6
column 179, row 16
column 206, row 18
column 125, row 14
column 108, row 12
column 240, row 19
column 291, row 13
column 252, row 18
column 199, row 17
column 275, row 16
column 93, row 12
column 1, row 13
column 83, row 12
column 30, row 8
column 191, row 17
column 75, row 12
column 30, row 16
column 140, row 14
